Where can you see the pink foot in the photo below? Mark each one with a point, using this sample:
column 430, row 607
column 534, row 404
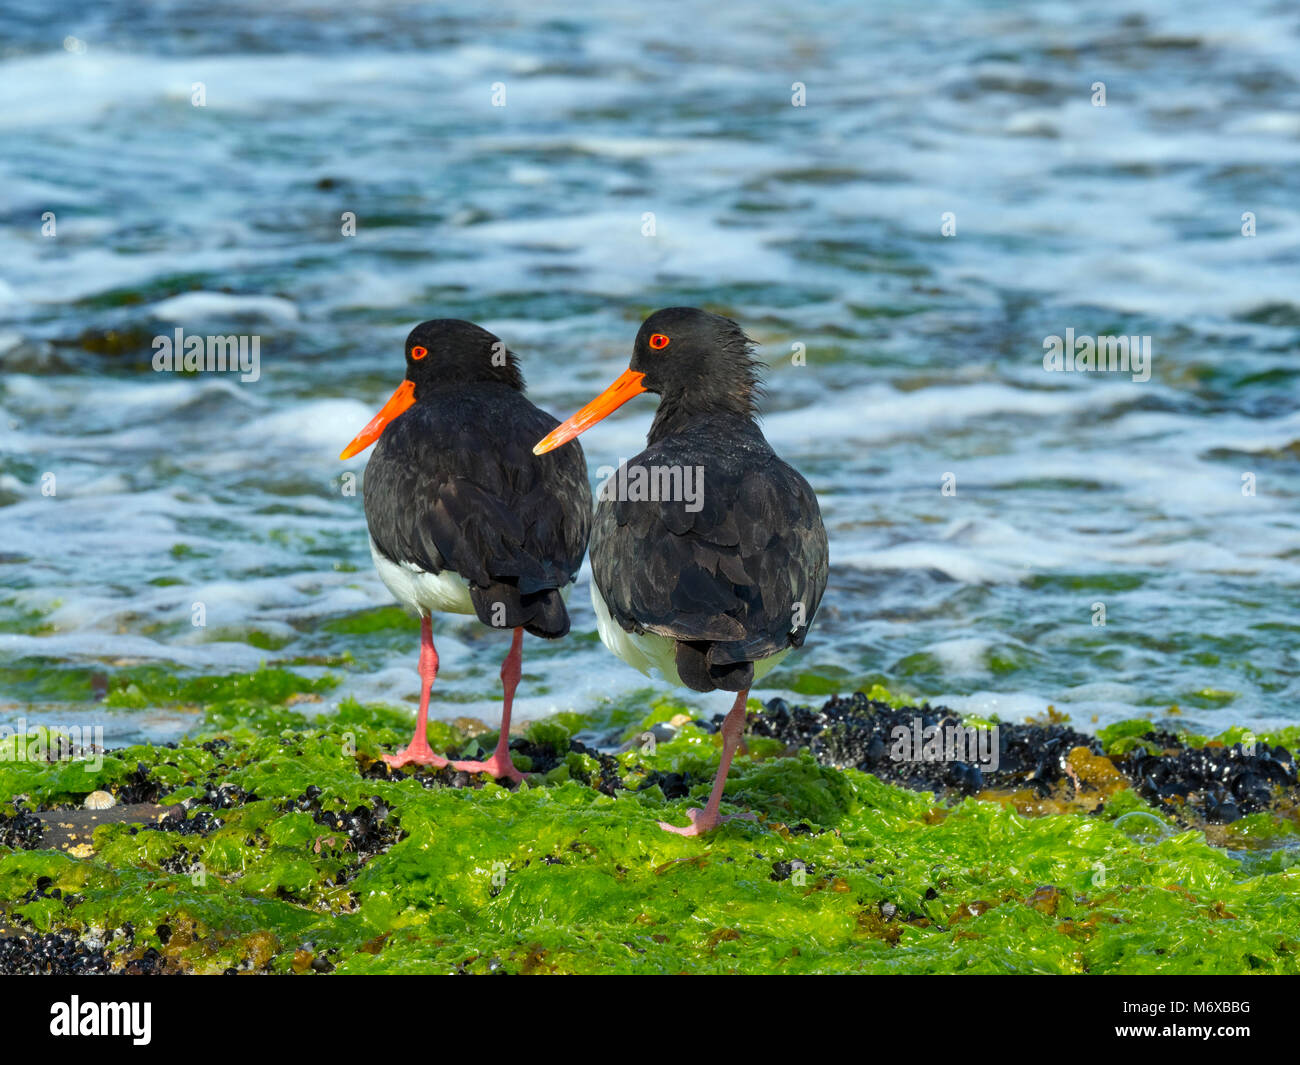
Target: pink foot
column 702, row 823
column 418, row 751
column 497, row 765
column 416, row 754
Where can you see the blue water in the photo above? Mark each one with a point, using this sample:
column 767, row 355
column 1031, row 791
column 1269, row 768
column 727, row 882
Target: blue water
column 818, row 225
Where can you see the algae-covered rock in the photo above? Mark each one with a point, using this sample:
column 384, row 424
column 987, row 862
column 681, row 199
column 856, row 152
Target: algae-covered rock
column 276, row 842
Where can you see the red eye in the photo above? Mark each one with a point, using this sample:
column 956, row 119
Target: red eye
column 658, row 340
column 419, row 353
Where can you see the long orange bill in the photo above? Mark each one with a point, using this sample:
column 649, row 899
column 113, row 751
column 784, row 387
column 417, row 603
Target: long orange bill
column 628, row 385
column 398, row 402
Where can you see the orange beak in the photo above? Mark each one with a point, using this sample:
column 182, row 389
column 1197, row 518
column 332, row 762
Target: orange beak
column 628, row 385
column 398, row 402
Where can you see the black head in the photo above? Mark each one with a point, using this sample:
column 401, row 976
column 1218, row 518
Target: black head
column 447, row 351
column 697, row 361
column 442, row 353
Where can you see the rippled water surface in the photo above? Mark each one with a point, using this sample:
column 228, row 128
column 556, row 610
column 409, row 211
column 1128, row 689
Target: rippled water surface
column 817, row 226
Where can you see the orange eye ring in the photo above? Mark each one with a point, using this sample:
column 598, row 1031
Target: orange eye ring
column 419, row 352
column 658, row 340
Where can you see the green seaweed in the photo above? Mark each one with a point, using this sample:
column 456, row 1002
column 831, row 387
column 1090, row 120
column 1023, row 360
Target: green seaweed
column 1124, row 736
column 150, row 685
column 839, row 873
column 377, row 619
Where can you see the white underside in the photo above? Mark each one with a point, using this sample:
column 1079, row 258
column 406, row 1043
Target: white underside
column 420, row 592
column 429, row 593
column 648, row 651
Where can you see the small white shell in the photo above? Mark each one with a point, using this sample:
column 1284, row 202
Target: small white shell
column 99, row 800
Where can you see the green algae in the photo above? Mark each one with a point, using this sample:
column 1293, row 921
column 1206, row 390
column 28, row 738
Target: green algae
column 376, row 619
column 39, row 679
column 1124, row 736
column 150, row 685
column 840, row 873
column 15, row 618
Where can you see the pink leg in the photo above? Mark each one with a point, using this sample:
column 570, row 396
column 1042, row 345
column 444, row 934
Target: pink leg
column 500, row 765
column 708, row 819
column 418, row 751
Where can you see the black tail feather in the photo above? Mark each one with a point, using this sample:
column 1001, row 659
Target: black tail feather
column 699, row 674
column 503, row 606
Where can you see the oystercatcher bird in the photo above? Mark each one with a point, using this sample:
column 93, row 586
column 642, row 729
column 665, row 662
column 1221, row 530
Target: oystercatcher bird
column 463, row 517
column 708, row 552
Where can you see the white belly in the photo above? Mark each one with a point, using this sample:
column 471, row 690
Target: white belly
column 420, row 592
column 648, row 651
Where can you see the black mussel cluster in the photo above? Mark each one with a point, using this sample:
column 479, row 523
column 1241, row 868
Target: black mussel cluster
column 21, row 830
column 673, row 785
column 1218, row 784
column 138, row 787
column 195, row 816
column 67, row 954
column 222, row 796
column 368, row 829
column 605, row 778
column 51, row 954
column 854, row 731
column 1215, row 784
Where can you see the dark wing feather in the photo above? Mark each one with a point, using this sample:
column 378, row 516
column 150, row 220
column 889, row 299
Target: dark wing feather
column 454, row 484
column 736, row 571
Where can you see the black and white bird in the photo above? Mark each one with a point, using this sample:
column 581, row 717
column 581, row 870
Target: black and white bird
column 713, row 586
column 464, row 518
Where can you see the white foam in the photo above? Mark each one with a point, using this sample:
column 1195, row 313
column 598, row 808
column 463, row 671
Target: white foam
column 92, row 646
column 957, row 563
column 205, row 306
column 963, row 654
column 1011, row 707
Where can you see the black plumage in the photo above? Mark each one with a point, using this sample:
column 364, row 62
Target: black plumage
column 740, row 578
column 453, row 483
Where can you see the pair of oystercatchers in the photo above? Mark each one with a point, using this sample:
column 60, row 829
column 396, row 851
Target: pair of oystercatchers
column 468, row 515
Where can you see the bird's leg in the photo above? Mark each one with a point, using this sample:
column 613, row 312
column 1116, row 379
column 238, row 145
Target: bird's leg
column 418, row 751
column 708, row 819
column 500, row 765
